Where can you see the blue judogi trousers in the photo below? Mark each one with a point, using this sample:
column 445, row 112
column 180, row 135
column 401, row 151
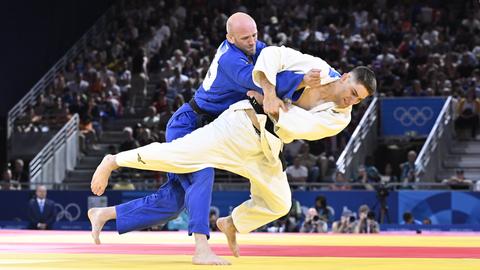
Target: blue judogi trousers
column 193, row 191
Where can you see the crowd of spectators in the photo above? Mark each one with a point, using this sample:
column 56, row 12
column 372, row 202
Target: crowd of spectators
column 154, row 54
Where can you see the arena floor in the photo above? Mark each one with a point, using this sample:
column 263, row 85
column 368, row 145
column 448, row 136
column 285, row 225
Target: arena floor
column 21, row 249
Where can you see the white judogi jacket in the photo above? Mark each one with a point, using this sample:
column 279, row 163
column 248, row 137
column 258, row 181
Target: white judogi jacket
column 322, row 121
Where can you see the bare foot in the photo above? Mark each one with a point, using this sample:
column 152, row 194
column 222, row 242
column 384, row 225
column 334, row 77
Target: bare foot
column 102, row 173
column 97, row 221
column 208, row 258
column 203, row 253
column 226, row 225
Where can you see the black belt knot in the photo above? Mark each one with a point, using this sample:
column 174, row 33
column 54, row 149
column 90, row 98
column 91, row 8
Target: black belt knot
column 269, row 126
column 203, row 118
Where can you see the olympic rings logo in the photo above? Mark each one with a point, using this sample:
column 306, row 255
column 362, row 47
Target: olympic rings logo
column 413, row 115
column 71, row 212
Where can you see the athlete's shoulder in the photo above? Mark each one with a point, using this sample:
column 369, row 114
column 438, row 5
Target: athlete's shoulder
column 232, row 55
column 260, row 45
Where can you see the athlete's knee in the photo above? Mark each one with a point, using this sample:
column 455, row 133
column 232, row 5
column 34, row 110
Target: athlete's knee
column 281, row 206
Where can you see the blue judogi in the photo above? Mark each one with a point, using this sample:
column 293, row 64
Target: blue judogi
column 228, row 79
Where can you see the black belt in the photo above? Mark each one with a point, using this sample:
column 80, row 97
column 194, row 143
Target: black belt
column 259, row 110
column 269, row 127
column 203, row 118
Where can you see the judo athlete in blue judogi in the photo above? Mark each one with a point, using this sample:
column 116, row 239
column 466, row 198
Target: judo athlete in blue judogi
column 228, row 79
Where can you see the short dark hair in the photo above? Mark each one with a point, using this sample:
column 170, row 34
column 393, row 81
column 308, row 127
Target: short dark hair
column 407, row 216
column 366, row 77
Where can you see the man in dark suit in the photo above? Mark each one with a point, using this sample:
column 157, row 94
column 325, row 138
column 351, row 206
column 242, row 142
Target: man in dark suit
column 41, row 211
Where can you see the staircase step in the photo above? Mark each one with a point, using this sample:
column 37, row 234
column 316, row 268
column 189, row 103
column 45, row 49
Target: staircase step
column 80, row 175
column 462, row 161
column 466, row 148
column 472, row 174
column 89, row 162
column 119, row 124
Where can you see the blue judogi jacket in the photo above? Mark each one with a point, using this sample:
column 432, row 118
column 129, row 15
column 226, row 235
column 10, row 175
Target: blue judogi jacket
column 230, row 77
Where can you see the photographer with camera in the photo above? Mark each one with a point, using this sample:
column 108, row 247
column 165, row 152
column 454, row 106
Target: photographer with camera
column 346, row 224
column 366, row 221
column 313, row 223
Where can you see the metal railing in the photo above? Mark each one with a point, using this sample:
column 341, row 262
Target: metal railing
column 244, row 184
column 437, row 144
column 89, row 37
column 361, row 143
column 60, row 155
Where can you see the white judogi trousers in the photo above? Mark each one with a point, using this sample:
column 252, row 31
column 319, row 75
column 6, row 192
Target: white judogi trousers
column 229, row 143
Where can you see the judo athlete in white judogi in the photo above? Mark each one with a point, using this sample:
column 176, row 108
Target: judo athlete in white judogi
column 247, row 140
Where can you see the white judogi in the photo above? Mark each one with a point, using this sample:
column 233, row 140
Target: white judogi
column 231, row 143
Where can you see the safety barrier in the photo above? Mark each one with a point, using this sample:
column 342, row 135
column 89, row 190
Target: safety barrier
column 435, row 147
column 60, row 154
column 362, row 141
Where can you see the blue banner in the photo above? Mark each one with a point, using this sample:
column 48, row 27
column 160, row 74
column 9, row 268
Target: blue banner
column 441, row 207
column 409, row 116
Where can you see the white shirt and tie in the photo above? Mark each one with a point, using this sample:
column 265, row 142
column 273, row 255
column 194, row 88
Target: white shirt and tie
column 41, row 204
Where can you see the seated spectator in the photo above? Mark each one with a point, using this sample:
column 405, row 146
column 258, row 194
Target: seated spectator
column 340, row 182
column 88, row 135
column 366, row 221
column 29, row 121
column 346, row 224
column 388, row 176
column 112, row 107
column 408, row 170
column 79, row 85
column 409, row 219
column 468, row 110
column 297, row 173
column 160, row 101
column 362, row 181
column 309, row 160
column 130, row 142
column 313, row 223
column 176, row 83
column 291, row 150
column 373, row 175
column 19, row 173
column 143, row 135
column 188, row 90
column 151, row 119
column 178, row 101
column 41, row 211
column 96, row 85
column 165, row 117
column 111, row 86
column 458, row 181
column 8, row 183
column 40, row 105
column 415, row 90
column 123, row 184
column 60, row 114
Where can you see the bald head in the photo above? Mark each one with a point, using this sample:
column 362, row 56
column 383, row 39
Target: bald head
column 41, row 192
column 242, row 31
column 239, row 21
